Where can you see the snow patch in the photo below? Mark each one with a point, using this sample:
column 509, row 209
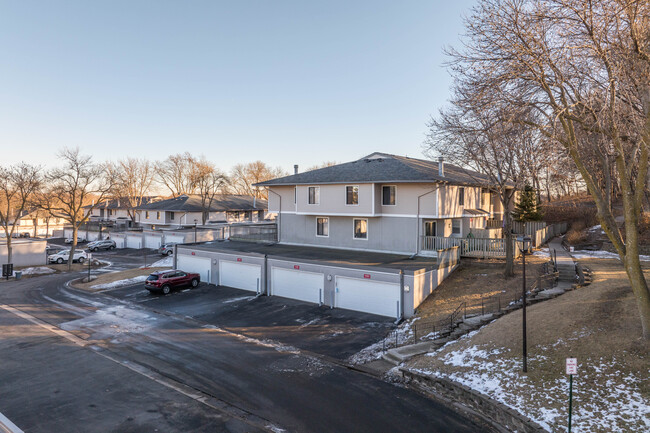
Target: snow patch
column 167, row 262
column 39, row 270
column 601, row 254
column 120, row 283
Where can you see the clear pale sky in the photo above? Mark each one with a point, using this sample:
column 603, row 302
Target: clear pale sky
column 282, row 81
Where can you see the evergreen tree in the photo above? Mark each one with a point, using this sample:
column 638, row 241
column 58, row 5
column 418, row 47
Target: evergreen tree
column 526, row 209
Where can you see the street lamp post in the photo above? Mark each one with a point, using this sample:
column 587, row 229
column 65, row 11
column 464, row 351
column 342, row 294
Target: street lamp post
column 194, row 230
column 525, row 246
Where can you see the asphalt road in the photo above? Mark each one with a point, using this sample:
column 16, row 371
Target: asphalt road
column 111, row 363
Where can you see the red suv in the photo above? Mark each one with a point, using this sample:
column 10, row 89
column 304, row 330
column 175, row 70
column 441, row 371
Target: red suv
column 165, row 281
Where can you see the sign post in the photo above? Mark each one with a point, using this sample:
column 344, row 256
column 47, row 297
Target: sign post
column 571, row 369
column 90, row 259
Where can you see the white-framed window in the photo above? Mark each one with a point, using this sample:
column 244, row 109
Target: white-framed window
column 322, row 227
column 171, row 216
column 388, row 195
column 146, row 214
column 455, row 227
column 461, row 196
column 360, row 226
column 483, row 193
column 430, row 228
column 157, row 215
column 314, row 195
column 352, row 195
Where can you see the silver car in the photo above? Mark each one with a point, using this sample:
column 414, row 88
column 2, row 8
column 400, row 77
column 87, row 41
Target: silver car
column 166, row 249
column 106, row 244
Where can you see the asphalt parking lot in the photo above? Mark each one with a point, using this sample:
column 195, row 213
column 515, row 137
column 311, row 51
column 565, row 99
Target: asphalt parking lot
column 335, row 333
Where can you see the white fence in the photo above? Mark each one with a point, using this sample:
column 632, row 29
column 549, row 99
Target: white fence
column 541, row 236
column 470, row 247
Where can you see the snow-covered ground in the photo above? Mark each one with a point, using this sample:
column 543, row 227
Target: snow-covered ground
column 585, row 254
column 167, row 262
column 375, row 351
column 39, row 270
column 120, row 283
column 603, row 399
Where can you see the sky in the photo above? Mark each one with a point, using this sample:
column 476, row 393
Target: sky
column 285, row 82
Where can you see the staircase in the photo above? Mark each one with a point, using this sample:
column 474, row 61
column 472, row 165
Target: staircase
column 565, row 264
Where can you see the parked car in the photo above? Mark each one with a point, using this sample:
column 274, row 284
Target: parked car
column 63, row 256
column 166, row 249
column 166, row 281
column 79, row 239
column 106, row 244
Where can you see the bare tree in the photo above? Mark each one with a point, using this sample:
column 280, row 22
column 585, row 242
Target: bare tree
column 244, row 176
column 18, row 183
column 209, row 182
column 79, row 185
column 175, row 173
column 478, row 138
column 132, row 180
column 322, row 165
column 583, row 67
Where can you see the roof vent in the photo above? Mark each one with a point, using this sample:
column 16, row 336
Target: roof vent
column 295, row 169
column 441, row 166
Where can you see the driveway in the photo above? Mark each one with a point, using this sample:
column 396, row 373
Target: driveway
column 336, row 333
column 219, row 378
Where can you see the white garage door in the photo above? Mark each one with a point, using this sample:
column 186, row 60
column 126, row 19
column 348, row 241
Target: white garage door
column 152, row 242
column 134, row 241
column 169, row 239
column 240, row 275
column 374, row 297
column 199, row 265
column 119, row 242
column 301, row 285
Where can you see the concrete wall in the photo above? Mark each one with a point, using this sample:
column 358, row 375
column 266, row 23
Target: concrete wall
column 25, row 252
column 422, row 283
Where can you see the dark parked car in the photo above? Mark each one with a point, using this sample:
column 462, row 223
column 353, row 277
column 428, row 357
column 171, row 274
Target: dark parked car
column 166, row 281
column 106, row 244
column 167, row 249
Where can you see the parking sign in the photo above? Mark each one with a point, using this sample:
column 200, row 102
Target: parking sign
column 571, row 365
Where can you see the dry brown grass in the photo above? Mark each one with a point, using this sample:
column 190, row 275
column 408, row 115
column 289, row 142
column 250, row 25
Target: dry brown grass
column 113, row 276
column 476, row 279
column 599, row 324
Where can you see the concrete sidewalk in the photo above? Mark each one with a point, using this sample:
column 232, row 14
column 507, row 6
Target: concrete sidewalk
column 565, row 263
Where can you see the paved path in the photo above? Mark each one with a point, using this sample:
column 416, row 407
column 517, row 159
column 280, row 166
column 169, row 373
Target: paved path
column 565, row 263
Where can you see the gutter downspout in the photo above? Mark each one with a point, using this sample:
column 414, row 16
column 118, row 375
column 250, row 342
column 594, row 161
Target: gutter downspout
column 417, row 241
column 279, row 212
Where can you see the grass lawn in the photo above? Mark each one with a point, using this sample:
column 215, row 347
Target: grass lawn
column 112, row 277
column 598, row 324
column 476, row 279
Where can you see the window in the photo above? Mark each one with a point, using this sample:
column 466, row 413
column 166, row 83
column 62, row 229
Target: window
column 351, row 195
column 171, row 216
column 461, row 196
column 388, row 195
column 455, row 227
column 146, row 214
column 157, row 215
column 314, row 195
column 429, row 228
column 483, row 192
column 110, row 212
column 360, row 228
column 322, row 227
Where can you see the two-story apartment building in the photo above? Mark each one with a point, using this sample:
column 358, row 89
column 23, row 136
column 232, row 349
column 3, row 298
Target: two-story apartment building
column 383, row 203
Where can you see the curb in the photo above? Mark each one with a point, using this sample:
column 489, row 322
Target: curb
column 498, row 413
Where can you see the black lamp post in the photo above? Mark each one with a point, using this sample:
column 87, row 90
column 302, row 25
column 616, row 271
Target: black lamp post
column 195, row 231
column 525, row 242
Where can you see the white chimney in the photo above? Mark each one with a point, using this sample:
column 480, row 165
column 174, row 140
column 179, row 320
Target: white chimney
column 295, row 169
column 441, row 166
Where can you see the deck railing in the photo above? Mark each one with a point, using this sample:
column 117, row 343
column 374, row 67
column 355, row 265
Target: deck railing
column 469, row 247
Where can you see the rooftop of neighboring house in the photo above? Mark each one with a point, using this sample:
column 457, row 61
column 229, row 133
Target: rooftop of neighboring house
column 220, row 203
column 120, row 203
column 385, row 168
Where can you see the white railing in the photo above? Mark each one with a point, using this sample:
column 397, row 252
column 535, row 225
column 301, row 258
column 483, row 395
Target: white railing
column 469, row 247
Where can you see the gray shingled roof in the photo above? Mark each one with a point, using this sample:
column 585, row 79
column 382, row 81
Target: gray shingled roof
column 384, row 168
column 222, row 202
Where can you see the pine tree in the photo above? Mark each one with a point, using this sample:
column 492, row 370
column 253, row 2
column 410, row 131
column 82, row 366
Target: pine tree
column 526, row 209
